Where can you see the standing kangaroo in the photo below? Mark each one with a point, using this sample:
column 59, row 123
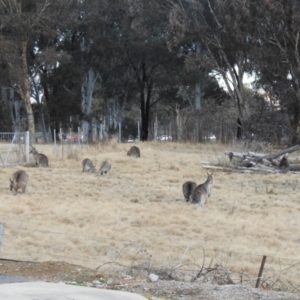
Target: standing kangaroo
column 41, row 160
column 88, row 166
column 19, row 180
column 134, row 151
column 187, row 190
column 203, row 191
column 104, row 168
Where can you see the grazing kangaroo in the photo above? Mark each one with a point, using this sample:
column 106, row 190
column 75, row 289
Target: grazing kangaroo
column 104, row 168
column 41, row 160
column 187, row 190
column 134, row 151
column 88, row 166
column 203, row 191
column 19, row 180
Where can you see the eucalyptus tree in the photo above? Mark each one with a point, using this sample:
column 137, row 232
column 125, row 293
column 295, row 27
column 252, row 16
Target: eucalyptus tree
column 224, row 31
column 21, row 24
column 94, row 49
column 134, row 62
column 145, row 44
column 277, row 58
column 102, row 58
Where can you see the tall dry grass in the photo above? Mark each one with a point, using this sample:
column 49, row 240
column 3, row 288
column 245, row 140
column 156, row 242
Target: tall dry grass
column 78, row 217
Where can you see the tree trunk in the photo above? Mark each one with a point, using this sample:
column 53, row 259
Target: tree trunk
column 144, row 117
column 198, row 87
column 41, row 107
column 87, row 89
column 239, row 133
column 178, row 123
column 155, row 127
column 295, row 121
column 145, row 84
column 24, row 90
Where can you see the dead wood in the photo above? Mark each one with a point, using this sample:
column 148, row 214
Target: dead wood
column 294, row 167
column 224, row 169
column 259, row 168
column 235, row 154
column 258, row 155
column 261, row 162
column 283, row 152
column 294, row 160
column 266, row 162
column 247, row 164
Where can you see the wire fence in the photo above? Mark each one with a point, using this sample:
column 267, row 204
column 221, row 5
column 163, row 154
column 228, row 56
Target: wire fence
column 115, row 256
column 14, row 148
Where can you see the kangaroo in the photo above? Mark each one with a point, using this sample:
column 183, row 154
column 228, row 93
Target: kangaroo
column 187, row 190
column 203, row 191
column 41, row 160
column 104, row 168
column 88, row 166
column 134, row 151
column 19, row 180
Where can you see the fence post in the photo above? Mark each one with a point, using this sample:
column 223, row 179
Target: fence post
column 2, row 229
column 54, row 137
column 79, row 135
column 27, row 146
column 119, row 137
column 101, row 133
column 260, row 271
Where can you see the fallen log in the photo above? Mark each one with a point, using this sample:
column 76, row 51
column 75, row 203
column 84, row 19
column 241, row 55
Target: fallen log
column 294, row 167
column 294, row 160
column 259, row 168
column 232, row 154
column 266, row 162
column 283, row 152
column 258, row 155
column 240, row 169
column 226, row 169
column 247, row 163
column 277, row 162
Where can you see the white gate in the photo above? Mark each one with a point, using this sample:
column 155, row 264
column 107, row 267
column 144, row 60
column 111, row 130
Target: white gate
column 14, row 148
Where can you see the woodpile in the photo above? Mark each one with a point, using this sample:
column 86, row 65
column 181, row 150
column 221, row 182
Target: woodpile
column 247, row 162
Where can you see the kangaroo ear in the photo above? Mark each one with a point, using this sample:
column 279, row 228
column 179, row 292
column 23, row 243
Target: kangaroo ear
column 10, row 180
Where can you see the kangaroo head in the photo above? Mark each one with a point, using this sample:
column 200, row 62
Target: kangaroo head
column 33, row 151
column 209, row 176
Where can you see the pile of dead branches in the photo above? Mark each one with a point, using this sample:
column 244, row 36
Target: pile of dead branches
column 277, row 162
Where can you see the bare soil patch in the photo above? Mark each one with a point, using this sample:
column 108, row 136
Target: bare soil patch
column 162, row 289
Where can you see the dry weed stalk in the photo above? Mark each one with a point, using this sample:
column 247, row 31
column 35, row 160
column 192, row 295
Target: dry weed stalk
column 233, row 208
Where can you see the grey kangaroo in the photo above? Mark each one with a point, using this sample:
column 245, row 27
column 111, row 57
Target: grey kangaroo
column 203, row 191
column 134, row 151
column 88, row 166
column 41, row 160
column 19, row 180
column 104, row 168
column 187, row 190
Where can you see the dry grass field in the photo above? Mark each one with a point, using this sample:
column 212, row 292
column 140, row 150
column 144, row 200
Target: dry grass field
column 138, row 215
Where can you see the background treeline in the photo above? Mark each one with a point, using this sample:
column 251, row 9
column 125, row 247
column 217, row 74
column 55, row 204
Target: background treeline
column 95, row 64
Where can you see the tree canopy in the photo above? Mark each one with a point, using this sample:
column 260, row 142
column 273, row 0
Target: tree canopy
column 157, row 62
